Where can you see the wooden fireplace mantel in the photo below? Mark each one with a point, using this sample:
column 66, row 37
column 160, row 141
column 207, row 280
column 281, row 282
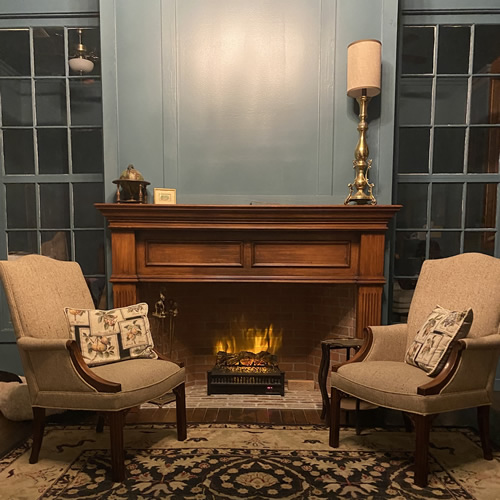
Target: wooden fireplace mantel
column 250, row 243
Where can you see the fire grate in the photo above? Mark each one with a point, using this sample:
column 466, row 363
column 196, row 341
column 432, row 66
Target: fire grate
column 246, row 373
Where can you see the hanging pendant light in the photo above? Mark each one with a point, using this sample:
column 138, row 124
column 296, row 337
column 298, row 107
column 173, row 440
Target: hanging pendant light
column 81, row 61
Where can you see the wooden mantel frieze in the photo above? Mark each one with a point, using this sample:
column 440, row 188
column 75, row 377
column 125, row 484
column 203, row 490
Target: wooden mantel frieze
column 250, row 243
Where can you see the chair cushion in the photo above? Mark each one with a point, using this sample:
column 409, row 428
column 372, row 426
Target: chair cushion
column 110, row 336
column 433, row 342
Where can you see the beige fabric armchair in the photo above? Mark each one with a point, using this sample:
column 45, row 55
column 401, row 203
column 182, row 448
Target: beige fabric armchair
column 38, row 289
column 379, row 374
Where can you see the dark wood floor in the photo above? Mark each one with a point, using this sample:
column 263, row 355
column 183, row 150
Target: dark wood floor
column 13, row 433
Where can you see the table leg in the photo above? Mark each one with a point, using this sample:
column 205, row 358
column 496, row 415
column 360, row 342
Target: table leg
column 322, row 376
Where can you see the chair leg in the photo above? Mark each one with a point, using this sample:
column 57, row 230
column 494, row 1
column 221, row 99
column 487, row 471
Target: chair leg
column 422, row 429
column 335, row 418
column 38, row 428
column 116, row 423
column 483, row 420
column 100, row 423
column 180, row 410
column 407, row 422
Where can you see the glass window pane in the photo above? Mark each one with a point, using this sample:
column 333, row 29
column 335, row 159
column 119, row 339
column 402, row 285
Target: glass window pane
column 413, row 150
column 56, row 244
column 448, row 156
column 449, row 243
column 15, row 52
column 84, row 197
column 486, row 47
column 15, row 98
column 87, row 151
column 484, row 145
column 481, row 205
column 51, row 102
column 89, row 251
column 91, row 40
column 451, row 100
column 18, row 151
column 415, row 101
column 453, row 49
column 21, row 242
column 479, row 241
column 413, row 197
column 49, row 51
column 52, row 151
column 86, row 102
column 446, row 202
column 20, row 206
column 54, row 198
column 485, row 100
column 410, row 253
column 418, row 49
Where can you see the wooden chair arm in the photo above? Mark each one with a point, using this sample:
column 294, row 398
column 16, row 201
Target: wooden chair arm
column 86, row 373
column 164, row 358
column 361, row 354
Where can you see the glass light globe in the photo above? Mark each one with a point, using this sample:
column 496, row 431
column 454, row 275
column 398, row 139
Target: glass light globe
column 81, row 64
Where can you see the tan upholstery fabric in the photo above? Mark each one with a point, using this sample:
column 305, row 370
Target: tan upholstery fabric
column 38, row 289
column 457, row 283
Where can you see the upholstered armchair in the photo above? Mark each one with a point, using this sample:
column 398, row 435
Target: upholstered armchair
column 38, row 289
column 381, row 373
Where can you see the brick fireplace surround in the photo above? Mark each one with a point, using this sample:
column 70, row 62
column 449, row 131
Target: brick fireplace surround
column 303, row 273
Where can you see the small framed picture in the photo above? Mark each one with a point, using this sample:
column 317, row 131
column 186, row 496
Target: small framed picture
column 164, row 196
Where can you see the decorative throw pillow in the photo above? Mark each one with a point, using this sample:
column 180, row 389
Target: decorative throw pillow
column 433, row 342
column 114, row 335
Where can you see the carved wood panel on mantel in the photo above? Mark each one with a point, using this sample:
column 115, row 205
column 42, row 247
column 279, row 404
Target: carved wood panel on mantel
column 242, row 243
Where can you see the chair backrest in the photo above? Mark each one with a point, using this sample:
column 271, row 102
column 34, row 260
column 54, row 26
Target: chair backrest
column 456, row 283
column 38, row 289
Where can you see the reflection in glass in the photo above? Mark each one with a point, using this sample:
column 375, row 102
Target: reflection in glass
column 410, row 253
column 56, row 244
column 418, row 49
column 449, row 243
column 479, row 241
column 15, row 52
column 451, row 100
column 483, row 150
column 16, row 102
column 485, row 92
column 91, row 40
column 85, row 98
column 50, row 102
column 18, row 151
column 446, row 203
column 89, row 251
column 413, row 197
column 415, row 101
column 448, row 156
column 20, row 206
column 481, row 207
column 84, row 197
column 87, row 151
column 486, row 48
column 52, row 151
column 413, row 150
column 21, row 242
column 453, row 49
column 49, row 51
column 54, row 198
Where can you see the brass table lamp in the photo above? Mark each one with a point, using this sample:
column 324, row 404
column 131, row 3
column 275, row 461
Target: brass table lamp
column 363, row 83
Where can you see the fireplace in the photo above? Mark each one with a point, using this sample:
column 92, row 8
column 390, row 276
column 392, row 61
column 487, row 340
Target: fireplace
column 307, row 272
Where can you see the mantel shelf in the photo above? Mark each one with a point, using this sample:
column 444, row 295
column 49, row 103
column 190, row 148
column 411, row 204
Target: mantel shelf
column 250, row 243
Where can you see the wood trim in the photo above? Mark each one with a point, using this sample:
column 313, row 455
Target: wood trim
column 446, row 373
column 84, row 371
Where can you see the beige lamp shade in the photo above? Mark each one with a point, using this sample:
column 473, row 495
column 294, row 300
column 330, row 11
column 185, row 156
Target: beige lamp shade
column 363, row 68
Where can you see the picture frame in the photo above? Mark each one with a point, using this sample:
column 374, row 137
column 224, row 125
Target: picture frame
column 164, row 196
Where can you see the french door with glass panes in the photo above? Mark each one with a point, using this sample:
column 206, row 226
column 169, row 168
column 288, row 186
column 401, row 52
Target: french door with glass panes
column 51, row 152
column 448, row 144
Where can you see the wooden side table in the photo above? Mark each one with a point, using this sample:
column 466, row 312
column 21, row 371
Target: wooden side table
column 347, row 343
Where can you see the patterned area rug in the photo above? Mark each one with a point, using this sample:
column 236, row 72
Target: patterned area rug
column 234, row 461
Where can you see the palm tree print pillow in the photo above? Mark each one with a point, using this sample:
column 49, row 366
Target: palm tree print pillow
column 433, row 342
column 114, row 335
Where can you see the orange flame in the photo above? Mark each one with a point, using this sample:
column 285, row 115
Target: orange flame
column 252, row 339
